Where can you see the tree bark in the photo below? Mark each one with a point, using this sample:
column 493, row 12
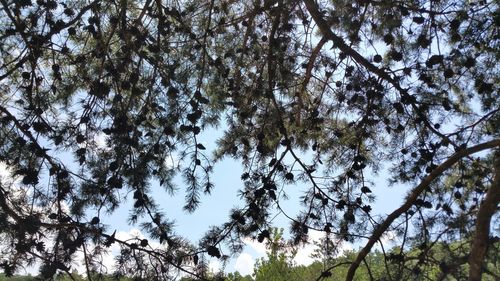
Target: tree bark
column 412, row 197
column 486, row 210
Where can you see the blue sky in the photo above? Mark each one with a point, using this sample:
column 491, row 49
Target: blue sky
column 214, row 208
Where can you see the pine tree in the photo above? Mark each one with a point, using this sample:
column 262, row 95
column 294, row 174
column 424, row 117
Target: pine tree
column 317, row 93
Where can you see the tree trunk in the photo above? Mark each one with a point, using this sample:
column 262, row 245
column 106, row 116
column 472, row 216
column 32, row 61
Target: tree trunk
column 410, row 200
column 486, row 210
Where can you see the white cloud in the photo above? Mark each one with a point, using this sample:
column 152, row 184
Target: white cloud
column 259, row 248
column 387, row 240
column 108, row 259
column 100, row 140
column 244, row 264
column 214, row 265
column 303, row 256
column 246, row 261
column 4, row 171
column 388, row 237
column 131, row 234
column 6, row 174
column 172, row 161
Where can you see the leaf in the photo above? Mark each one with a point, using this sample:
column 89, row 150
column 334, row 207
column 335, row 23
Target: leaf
column 264, row 234
column 213, row 252
column 110, row 240
column 418, row 20
column 326, row 274
column 272, row 194
column 31, row 177
column 399, row 107
column 259, row 192
column 448, row 73
column 388, row 39
column 95, row 220
column 367, row 208
column 396, row 55
column 99, row 89
column 365, row 189
column 172, row 92
column 433, row 60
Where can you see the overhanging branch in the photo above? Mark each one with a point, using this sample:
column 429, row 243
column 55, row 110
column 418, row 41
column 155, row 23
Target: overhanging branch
column 338, row 42
column 412, row 197
column 486, row 211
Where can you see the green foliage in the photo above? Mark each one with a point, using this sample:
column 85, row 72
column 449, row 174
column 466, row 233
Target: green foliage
column 278, row 265
column 17, row 278
column 237, row 277
column 447, row 259
column 75, row 276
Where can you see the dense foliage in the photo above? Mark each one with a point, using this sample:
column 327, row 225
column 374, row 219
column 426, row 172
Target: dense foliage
column 316, row 93
column 72, row 276
column 278, row 265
